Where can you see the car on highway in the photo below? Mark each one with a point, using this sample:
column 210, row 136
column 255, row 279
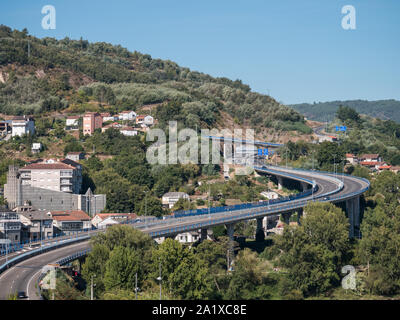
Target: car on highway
column 21, row 295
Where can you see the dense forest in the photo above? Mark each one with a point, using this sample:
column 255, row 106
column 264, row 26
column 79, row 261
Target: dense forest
column 41, row 75
column 325, row 111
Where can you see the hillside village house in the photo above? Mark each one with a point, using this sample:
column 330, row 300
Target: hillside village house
column 146, row 120
column 170, row 198
column 106, row 116
column 351, row 158
column 72, row 123
column 370, row 157
column 91, row 122
column 75, row 156
column 270, row 195
column 22, row 125
column 322, row 138
column 128, row 131
column 68, row 222
column 36, row 147
column 127, row 115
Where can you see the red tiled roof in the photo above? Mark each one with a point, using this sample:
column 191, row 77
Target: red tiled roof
column 128, row 129
column 370, row 156
column 371, row 163
column 350, row 155
column 47, row 166
column 70, row 215
column 384, row 167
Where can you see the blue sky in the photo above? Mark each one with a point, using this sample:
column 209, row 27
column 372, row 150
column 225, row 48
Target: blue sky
column 296, row 51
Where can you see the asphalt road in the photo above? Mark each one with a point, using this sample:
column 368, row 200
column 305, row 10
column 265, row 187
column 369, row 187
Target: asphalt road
column 24, row 275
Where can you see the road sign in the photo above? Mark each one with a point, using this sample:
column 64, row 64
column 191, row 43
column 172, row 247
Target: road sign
column 341, row 128
column 5, row 241
column 265, row 152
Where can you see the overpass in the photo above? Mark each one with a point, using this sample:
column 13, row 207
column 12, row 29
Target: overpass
column 324, row 187
column 316, row 185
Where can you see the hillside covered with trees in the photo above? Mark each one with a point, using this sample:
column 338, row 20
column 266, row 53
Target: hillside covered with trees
column 42, row 75
column 325, row 111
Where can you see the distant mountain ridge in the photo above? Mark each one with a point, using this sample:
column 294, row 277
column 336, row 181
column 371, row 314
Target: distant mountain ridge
column 322, row 111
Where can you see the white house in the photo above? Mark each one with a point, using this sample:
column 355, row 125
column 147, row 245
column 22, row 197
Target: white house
column 148, row 120
column 72, row 123
column 128, row 131
column 351, row 158
column 270, row 195
column 170, row 198
column 36, row 147
column 107, row 223
column 110, row 118
column 127, row 115
column 22, row 125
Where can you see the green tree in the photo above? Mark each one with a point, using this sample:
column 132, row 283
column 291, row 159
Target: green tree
column 121, row 269
column 314, row 252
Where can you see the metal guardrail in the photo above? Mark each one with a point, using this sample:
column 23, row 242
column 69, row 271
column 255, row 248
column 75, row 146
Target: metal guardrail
column 244, row 141
column 35, row 252
column 14, row 247
column 73, row 257
column 259, row 211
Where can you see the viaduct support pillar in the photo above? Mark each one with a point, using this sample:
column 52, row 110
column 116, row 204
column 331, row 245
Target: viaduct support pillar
column 230, row 228
column 203, row 234
column 260, row 234
column 286, row 217
column 280, row 182
column 299, row 215
column 353, row 213
column 304, row 185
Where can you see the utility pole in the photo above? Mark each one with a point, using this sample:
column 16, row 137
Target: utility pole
column 159, row 278
column 5, row 227
column 209, row 211
column 91, row 289
column 286, row 156
column 136, row 287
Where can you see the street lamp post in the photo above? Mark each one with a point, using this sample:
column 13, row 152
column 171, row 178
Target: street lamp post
column 92, row 288
column 209, row 211
column 159, row 278
column 136, row 287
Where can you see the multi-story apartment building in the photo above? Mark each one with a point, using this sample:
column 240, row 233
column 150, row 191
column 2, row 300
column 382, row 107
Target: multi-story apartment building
column 64, row 176
column 51, row 185
column 22, row 125
column 91, row 122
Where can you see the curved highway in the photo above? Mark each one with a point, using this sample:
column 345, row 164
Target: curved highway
column 332, row 188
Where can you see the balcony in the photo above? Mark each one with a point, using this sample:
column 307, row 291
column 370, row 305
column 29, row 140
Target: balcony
column 66, row 174
column 66, row 182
